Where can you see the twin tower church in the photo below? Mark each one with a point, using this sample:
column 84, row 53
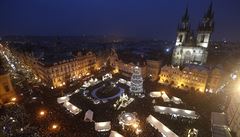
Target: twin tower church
column 191, row 49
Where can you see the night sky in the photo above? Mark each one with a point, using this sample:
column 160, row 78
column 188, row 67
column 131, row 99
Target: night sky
column 138, row 18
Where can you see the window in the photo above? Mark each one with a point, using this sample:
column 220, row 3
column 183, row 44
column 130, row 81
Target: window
column 6, row 87
column 180, row 38
column 202, row 38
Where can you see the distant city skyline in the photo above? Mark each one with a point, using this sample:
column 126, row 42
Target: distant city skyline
column 132, row 18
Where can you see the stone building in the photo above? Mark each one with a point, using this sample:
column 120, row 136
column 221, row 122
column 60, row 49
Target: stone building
column 190, row 49
column 56, row 69
column 7, row 92
column 233, row 113
column 191, row 77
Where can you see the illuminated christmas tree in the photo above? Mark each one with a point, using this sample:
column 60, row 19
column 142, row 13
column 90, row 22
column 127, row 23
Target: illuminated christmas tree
column 136, row 87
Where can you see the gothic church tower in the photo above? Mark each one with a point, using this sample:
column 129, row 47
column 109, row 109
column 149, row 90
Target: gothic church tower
column 190, row 49
column 205, row 29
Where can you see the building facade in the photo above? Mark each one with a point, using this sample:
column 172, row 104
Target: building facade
column 190, row 49
column 149, row 68
column 191, row 77
column 59, row 71
column 7, row 92
column 233, row 114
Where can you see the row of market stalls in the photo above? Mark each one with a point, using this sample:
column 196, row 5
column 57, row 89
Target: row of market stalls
column 165, row 131
column 164, row 96
column 100, row 126
column 92, row 82
column 219, row 125
column 129, row 119
column 176, row 112
column 69, row 106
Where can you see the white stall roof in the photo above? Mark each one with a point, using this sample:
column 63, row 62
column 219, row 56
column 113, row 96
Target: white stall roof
column 155, row 94
column 102, row 126
column 219, row 125
column 115, row 134
column 176, row 100
column 176, row 111
column 165, row 97
column 62, row 99
column 160, row 127
column 88, row 116
column 71, row 108
column 123, row 81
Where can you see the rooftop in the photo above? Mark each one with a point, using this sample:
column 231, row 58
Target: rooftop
column 128, row 57
column 50, row 59
column 2, row 70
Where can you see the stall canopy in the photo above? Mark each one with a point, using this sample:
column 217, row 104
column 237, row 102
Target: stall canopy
column 123, row 81
column 165, row 97
column 71, row 108
column 115, row 134
column 88, row 116
column 63, row 99
column 155, row 94
column 219, row 125
column 160, row 127
column 176, row 112
column 176, row 100
column 103, row 126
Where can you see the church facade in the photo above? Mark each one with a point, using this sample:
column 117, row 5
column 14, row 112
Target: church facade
column 190, row 49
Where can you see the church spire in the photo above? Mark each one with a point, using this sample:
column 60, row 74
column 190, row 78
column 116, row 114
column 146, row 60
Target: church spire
column 207, row 23
column 185, row 17
column 184, row 22
column 210, row 13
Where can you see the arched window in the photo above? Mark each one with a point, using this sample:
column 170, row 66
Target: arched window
column 202, row 38
column 180, row 38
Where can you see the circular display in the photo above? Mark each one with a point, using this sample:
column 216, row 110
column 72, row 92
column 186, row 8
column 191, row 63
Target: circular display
column 94, row 94
column 128, row 119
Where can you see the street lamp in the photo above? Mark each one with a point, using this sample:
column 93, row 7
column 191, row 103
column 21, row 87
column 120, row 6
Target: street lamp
column 54, row 127
column 13, row 99
column 42, row 113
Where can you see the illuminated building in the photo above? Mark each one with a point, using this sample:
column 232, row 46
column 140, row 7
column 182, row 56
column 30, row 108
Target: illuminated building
column 233, row 113
column 191, row 77
column 58, row 69
column 7, row 93
column 191, row 50
column 124, row 64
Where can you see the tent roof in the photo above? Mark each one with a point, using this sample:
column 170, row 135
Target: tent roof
column 103, row 126
column 115, row 134
column 176, row 111
column 70, row 107
column 161, row 127
column 155, row 94
column 218, row 119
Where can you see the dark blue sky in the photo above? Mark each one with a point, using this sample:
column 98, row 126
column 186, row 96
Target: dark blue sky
column 141, row 18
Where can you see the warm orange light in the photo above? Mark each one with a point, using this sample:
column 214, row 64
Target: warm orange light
column 42, row 113
column 55, row 126
column 135, row 125
column 116, row 70
column 14, row 99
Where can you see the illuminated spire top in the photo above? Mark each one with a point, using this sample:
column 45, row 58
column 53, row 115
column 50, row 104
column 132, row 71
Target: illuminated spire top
column 185, row 17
